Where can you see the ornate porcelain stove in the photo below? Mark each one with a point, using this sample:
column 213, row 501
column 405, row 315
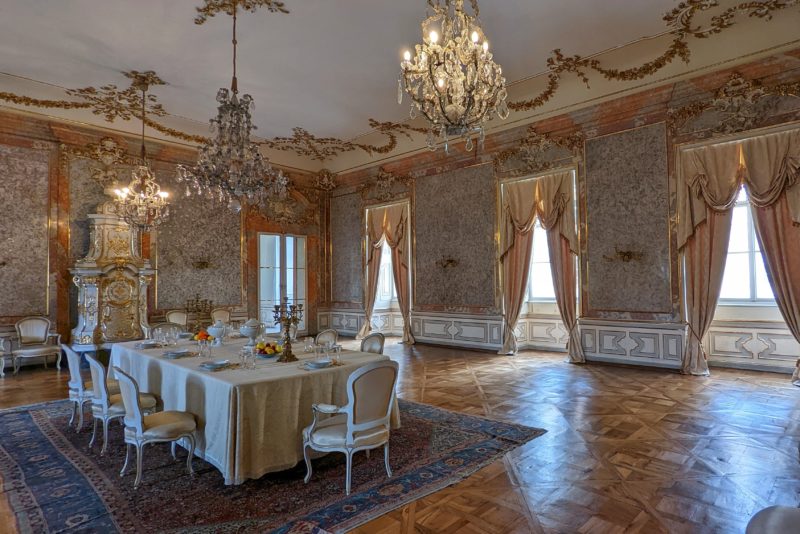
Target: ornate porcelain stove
column 112, row 284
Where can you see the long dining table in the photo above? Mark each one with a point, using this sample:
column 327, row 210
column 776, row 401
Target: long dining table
column 250, row 421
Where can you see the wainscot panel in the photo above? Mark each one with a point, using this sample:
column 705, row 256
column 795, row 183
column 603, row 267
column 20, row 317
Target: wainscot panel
column 654, row 344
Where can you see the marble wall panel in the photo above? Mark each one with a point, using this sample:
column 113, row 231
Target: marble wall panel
column 197, row 230
column 85, row 195
column 627, row 222
column 345, row 229
column 24, row 205
column 455, row 219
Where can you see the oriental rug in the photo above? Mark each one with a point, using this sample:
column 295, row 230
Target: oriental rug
column 52, row 482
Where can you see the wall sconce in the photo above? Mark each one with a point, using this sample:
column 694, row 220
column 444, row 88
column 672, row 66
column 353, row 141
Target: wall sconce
column 446, row 262
column 625, row 256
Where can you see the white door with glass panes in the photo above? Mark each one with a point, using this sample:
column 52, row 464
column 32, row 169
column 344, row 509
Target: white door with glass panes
column 281, row 274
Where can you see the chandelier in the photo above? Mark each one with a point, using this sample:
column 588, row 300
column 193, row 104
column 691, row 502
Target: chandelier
column 451, row 77
column 142, row 204
column 230, row 167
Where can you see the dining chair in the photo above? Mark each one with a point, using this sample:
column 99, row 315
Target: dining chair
column 178, row 317
column 35, row 341
column 160, row 427
column 107, row 406
column 327, row 336
column 166, row 328
column 373, row 343
column 360, row 425
column 79, row 391
column 220, row 314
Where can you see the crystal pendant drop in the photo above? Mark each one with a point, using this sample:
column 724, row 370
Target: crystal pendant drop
column 399, row 90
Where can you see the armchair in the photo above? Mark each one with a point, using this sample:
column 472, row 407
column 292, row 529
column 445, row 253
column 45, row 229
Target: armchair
column 35, row 341
column 360, row 425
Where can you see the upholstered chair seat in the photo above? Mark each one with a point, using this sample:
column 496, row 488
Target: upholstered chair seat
column 164, row 425
column 111, row 384
column 360, row 425
column 35, row 341
column 775, row 520
column 140, row 429
column 107, row 406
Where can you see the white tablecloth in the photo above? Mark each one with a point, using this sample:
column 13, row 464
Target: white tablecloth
column 250, row 422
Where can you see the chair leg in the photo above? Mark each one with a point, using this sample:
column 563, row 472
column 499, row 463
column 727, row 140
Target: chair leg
column 386, row 459
column 74, row 413
column 367, row 451
column 3, row 366
column 127, row 459
column 80, row 417
column 15, row 365
column 94, row 432
column 308, row 464
column 105, row 436
column 172, row 449
column 58, row 361
column 189, row 458
column 139, row 454
column 349, row 456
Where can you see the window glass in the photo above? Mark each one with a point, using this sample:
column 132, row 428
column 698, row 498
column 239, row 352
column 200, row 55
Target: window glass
column 278, row 280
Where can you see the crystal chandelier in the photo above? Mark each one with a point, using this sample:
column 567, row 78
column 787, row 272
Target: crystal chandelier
column 230, row 168
column 451, row 78
column 142, row 204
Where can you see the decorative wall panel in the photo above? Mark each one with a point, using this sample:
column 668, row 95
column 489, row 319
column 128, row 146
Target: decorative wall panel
column 455, row 250
column 198, row 251
column 473, row 331
column 656, row 344
column 541, row 332
column 628, row 265
column 24, row 204
column 346, row 269
column 757, row 345
column 85, row 195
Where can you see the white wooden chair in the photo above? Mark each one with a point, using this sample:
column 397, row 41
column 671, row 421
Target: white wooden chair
column 362, row 424
column 178, row 317
column 373, row 343
column 327, row 336
column 107, row 406
column 220, row 314
column 35, row 341
column 140, row 429
column 80, row 390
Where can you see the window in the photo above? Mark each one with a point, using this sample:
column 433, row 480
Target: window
column 282, row 273
column 540, row 279
column 387, row 293
column 745, row 278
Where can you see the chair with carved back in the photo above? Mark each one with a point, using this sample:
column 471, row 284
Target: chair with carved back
column 362, row 424
column 34, row 340
column 178, row 317
column 140, row 429
column 220, row 314
column 327, row 336
column 373, row 343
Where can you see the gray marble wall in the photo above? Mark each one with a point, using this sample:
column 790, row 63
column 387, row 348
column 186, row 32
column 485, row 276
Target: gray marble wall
column 627, row 220
column 346, row 234
column 455, row 218
column 24, row 208
column 197, row 230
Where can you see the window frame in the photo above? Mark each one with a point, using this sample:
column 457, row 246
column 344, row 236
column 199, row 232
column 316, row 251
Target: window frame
column 282, row 273
column 752, row 240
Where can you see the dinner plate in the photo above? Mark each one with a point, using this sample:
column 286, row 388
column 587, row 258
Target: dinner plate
column 185, row 335
column 177, row 353
column 318, row 364
column 215, row 364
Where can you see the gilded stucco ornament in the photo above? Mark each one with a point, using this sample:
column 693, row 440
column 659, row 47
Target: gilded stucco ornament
column 740, row 104
column 387, row 186
column 537, row 152
column 325, row 180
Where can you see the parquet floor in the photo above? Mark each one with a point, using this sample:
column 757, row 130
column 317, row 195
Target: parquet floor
column 627, row 449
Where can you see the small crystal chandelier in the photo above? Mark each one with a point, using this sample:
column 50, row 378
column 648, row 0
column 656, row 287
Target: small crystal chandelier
column 451, row 78
column 142, row 204
column 230, row 168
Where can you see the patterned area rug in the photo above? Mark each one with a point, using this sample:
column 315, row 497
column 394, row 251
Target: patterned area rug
column 52, row 482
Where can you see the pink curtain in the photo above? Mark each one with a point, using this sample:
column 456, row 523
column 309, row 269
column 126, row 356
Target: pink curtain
column 389, row 224
column 707, row 188
column 773, row 167
column 375, row 224
column 516, row 246
column 554, row 208
column 396, row 236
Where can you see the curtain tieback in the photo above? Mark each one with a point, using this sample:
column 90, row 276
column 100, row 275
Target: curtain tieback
column 699, row 340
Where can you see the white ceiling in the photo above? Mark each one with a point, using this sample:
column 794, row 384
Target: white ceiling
column 327, row 66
